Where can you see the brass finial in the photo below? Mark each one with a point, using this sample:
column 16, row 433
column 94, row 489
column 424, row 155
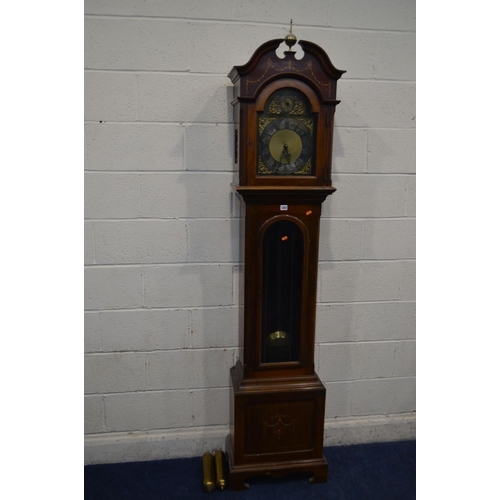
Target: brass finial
column 290, row 38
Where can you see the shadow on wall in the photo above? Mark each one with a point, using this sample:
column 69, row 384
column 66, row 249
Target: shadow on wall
column 201, row 196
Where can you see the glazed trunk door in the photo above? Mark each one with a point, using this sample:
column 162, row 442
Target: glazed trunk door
column 282, row 284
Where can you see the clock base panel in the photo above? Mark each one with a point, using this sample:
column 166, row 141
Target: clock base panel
column 239, row 474
column 278, row 427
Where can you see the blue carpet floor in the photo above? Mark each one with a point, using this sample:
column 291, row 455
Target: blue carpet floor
column 380, row 471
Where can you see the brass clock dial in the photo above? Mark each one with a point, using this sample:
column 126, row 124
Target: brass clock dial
column 286, row 131
column 285, row 146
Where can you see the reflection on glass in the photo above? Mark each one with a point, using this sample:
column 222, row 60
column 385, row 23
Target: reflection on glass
column 282, row 256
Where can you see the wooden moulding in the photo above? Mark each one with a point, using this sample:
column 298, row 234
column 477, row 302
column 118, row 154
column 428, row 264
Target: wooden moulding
column 279, row 425
column 288, row 194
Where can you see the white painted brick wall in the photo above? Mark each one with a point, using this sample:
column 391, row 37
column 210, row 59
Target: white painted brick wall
column 115, row 372
column 249, row 38
column 389, row 239
column 349, row 145
column 93, row 414
column 208, row 147
column 136, row 44
column 185, row 195
column 88, row 256
column 341, row 239
column 134, row 147
column 188, row 286
column 213, row 240
column 140, row 241
column 162, row 226
column 361, row 281
column 190, row 369
column 157, row 102
column 382, row 396
column 411, row 192
column 110, row 96
column 210, row 406
column 214, row 327
column 111, row 195
column 365, row 321
column 391, row 151
column 144, row 329
column 367, row 196
column 92, row 332
column 114, row 287
column 159, row 8
column 147, row 410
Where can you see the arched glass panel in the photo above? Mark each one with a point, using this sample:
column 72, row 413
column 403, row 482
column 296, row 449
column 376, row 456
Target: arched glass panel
column 282, row 268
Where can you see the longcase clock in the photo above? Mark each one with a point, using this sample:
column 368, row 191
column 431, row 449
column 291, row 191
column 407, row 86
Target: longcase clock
column 283, row 109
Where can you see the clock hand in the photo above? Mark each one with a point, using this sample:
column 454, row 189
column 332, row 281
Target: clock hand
column 285, row 154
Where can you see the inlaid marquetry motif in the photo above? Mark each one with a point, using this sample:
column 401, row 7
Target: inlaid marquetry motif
column 292, row 66
column 279, row 425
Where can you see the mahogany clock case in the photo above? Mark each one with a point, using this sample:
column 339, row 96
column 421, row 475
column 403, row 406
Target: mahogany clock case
column 284, row 113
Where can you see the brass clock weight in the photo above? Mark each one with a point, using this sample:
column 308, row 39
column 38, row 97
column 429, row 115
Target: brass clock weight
column 284, row 113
